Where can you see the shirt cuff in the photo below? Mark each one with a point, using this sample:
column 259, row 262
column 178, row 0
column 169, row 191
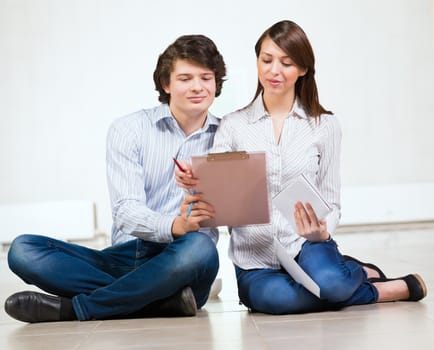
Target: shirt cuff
column 164, row 228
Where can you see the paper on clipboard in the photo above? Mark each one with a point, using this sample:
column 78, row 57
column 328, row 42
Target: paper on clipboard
column 301, row 190
column 235, row 183
column 296, row 272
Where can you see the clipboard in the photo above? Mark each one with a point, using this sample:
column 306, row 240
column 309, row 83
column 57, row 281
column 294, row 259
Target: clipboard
column 235, row 184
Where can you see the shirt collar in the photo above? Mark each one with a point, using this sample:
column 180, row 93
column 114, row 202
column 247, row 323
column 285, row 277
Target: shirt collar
column 259, row 112
column 163, row 112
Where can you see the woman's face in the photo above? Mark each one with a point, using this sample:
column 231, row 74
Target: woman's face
column 276, row 71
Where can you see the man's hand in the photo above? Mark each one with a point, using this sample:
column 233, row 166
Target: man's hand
column 185, row 178
column 308, row 225
column 200, row 211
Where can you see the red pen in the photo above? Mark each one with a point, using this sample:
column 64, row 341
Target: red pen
column 179, row 165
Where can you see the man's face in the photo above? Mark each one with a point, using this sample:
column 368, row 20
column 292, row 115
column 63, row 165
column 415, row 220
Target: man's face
column 192, row 88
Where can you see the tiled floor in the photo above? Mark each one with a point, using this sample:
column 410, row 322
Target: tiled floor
column 223, row 324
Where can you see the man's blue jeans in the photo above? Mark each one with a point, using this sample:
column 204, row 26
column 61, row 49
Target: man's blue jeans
column 119, row 280
column 342, row 283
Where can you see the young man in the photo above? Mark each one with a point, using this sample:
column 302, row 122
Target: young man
column 159, row 263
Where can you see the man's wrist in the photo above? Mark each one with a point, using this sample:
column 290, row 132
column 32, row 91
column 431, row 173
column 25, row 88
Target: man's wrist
column 176, row 226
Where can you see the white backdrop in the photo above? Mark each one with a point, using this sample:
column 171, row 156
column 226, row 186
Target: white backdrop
column 69, row 67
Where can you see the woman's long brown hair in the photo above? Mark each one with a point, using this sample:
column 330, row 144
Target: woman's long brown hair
column 293, row 40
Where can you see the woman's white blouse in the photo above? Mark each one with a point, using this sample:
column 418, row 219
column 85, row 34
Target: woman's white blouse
column 306, row 146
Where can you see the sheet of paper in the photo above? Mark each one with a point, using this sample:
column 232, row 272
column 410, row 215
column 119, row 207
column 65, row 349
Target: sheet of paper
column 300, row 190
column 296, row 272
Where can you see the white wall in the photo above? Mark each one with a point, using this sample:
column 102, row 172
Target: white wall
column 69, row 67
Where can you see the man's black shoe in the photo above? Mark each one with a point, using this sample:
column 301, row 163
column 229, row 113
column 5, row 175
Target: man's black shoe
column 180, row 304
column 36, row 307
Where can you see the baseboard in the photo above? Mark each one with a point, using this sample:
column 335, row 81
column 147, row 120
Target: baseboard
column 67, row 220
column 383, row 204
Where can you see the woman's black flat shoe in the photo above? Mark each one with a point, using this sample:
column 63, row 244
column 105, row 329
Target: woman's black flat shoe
column 369, row 265
column 416, row 286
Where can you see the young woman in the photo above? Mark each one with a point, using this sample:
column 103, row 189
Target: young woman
column 299, row 136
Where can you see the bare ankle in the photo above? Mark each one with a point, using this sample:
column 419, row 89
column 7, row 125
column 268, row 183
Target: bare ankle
column 392, row 291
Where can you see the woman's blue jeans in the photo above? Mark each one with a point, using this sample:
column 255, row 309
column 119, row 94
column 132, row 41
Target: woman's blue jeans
column 342, row 283
column 119, row 280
